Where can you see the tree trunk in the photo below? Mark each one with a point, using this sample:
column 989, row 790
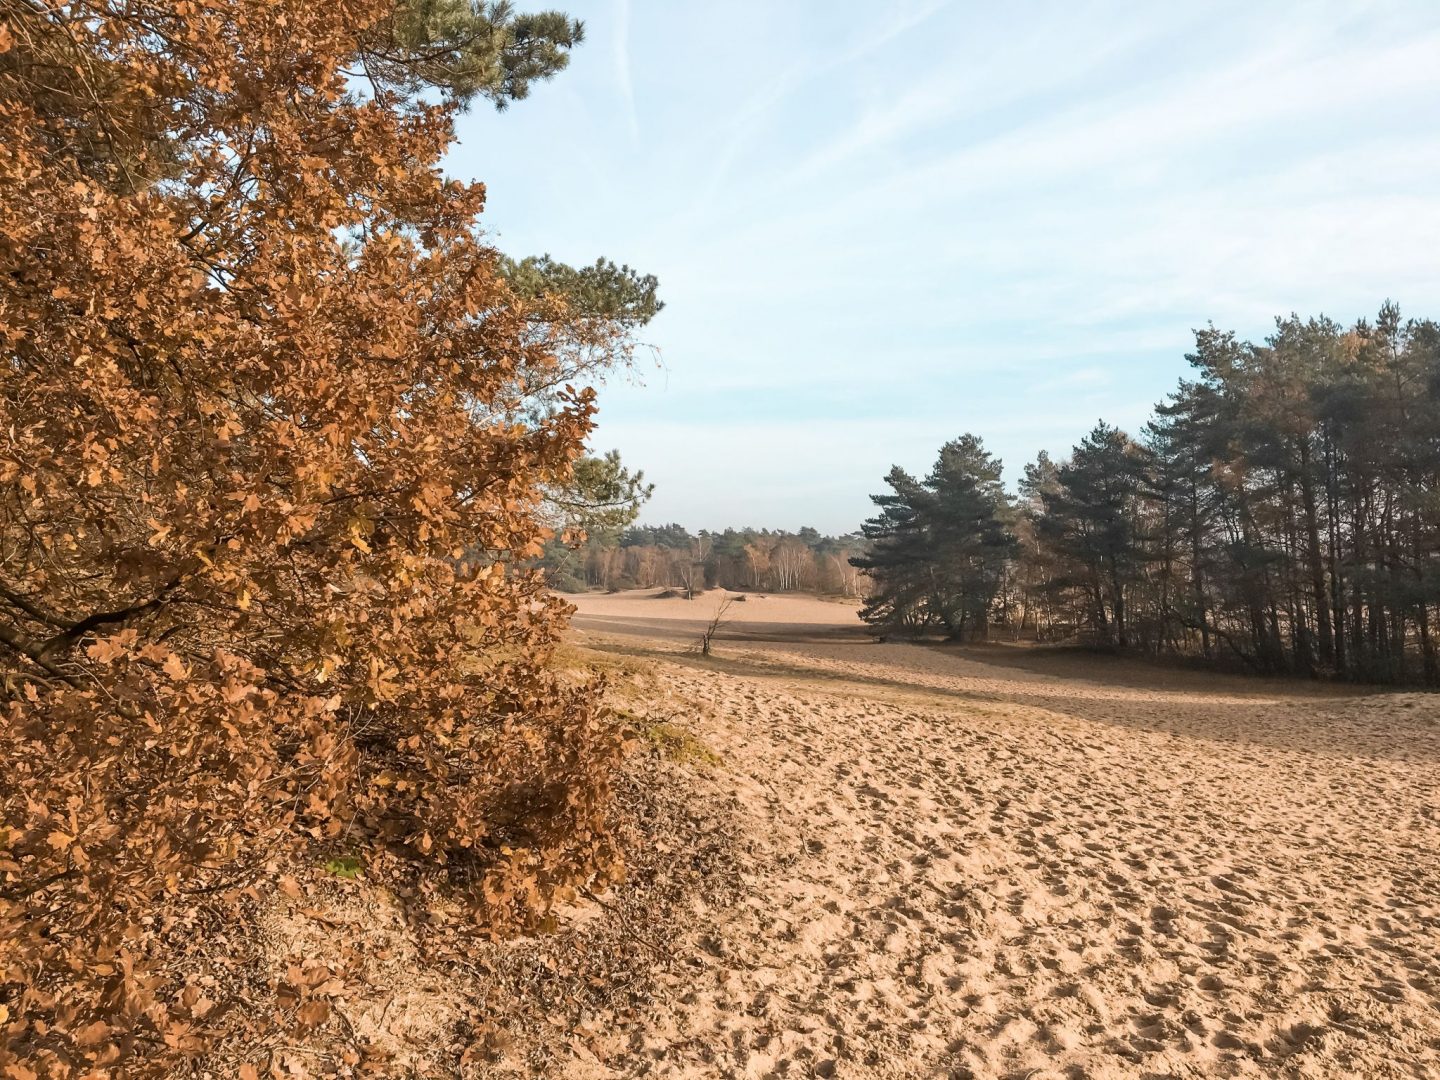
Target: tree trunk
column 1313, row 557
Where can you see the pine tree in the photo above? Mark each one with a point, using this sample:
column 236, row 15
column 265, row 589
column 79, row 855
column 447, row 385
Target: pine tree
column 968, row 536
column 1090, row 522
column 898, row 559
column 1282, row 511
column 939, row 548
column 468, row 49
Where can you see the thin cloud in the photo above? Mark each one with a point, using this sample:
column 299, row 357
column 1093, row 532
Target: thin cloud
column 744, row 128
column 876, row 231
column 622, row 67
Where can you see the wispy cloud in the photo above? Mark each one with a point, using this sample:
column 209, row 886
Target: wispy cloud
column 622, row 67
column 747, row 125
column 880, row 228
column 984, row 84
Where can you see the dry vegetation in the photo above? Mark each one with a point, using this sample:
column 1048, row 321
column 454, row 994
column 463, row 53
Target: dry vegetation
column 401, row 990
column 275, row 427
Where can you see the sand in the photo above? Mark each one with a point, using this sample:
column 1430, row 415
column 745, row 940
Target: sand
column 992, row 862
column 750, row 616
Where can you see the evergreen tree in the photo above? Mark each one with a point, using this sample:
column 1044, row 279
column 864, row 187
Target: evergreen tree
column 467, row 49
column 1285, row 509
column 968, row 511
column 587, row 513
column 939, row 548
column 615, row 294
column 899, row 558
column 1090, row 523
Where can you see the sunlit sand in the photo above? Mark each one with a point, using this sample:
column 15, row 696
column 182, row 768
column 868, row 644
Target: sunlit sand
column 994, row 862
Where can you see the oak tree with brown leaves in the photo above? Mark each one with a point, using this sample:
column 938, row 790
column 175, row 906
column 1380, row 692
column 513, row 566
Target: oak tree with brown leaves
column 268, row 484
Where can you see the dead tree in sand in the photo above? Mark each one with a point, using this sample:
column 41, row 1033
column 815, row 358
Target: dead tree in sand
column 721, row 610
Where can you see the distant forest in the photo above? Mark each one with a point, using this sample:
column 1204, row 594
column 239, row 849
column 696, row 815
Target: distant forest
column 646, row 556
column 1281, row 510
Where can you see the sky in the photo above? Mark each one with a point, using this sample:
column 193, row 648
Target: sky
column 878, row 226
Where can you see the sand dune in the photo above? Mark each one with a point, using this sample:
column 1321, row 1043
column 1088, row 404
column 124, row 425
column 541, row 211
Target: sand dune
column 991, row 863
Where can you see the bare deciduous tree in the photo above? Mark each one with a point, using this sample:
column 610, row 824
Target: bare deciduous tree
column 722, row 610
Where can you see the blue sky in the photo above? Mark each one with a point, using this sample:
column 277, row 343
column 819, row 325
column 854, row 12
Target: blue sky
column 880, row 225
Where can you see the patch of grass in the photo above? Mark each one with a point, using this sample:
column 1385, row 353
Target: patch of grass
column 677, row 744
column 670, row 741
column 572, row 655
column 345, row 866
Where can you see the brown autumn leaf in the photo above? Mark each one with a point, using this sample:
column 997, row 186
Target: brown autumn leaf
column 92, row 1033
column 313, row 1013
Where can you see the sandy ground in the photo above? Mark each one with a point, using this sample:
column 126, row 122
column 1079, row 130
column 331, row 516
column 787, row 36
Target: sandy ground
column 750, row 617
column 990, row 862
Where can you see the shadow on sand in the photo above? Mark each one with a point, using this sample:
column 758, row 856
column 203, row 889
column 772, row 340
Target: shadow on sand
column 1290, row 715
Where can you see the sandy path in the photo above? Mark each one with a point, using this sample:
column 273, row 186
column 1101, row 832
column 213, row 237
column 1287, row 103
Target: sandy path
column 960, row 865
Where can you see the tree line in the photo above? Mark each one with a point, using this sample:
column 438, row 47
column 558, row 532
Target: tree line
column 1280, row 510
column 670, row 556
